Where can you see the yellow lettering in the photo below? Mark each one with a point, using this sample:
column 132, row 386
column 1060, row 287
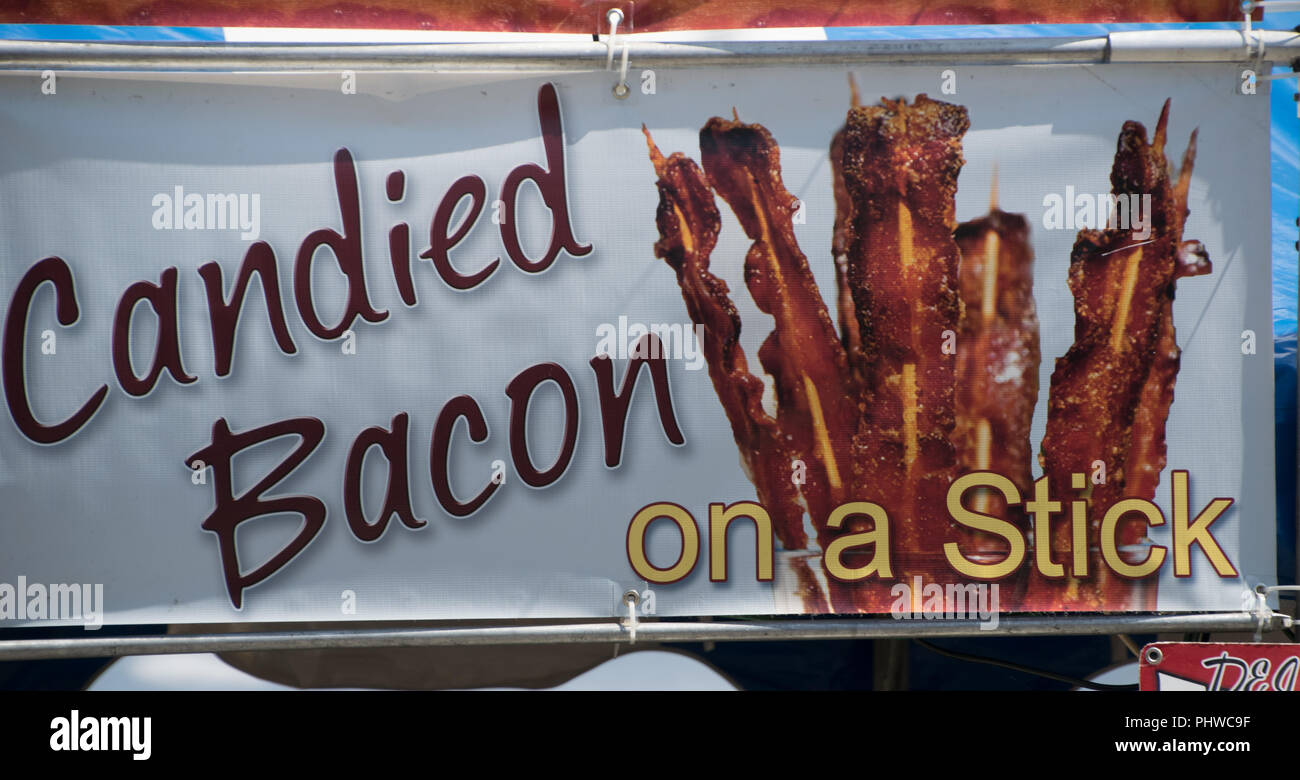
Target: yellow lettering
column 878, row 536
column 636, row 543
column 1041, row 508
column 720, row 518
column 1110, row 553
column 986, row 523
column 1197, row 532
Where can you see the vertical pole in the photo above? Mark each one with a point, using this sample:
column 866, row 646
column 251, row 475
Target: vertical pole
column 889, row 665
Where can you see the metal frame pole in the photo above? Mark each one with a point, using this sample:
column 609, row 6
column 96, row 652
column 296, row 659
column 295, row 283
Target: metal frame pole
column 618, row 633
column 1135, row 46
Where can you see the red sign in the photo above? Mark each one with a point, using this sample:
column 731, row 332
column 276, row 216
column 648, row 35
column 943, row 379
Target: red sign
column 1219, row 666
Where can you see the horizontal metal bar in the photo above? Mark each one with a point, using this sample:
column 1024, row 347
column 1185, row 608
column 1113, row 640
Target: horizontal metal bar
column 831, row 628
column 580, row 55
column 577, row 56
column 1202, row 45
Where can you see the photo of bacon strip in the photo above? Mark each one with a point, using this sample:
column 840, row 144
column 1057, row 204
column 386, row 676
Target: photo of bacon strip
column 689, row 222
column 867, row 410
column 1111, row 393
column 817, row 399
column 997, row 369
column 817, row 412
column 875, row 406
column 899, row 165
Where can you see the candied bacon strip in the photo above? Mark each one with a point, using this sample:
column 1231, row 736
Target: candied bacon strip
column 997, row 362
column 1147, row 459
column 688, row 223
column 1111, row 392
column 899, row 165
column 847, row 316
column 895, row 170
column 817, row 400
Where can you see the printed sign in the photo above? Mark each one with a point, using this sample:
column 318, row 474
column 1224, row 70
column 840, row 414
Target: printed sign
column 1218, row 666
column 927, row 341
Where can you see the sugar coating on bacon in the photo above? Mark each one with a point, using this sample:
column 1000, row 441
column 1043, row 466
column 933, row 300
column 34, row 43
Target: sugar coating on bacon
column 846, row 313
column 1111, row 393
column 997, row 363
column 867, row 409
column 899, row 166
column 688, row 223
column 817, row 400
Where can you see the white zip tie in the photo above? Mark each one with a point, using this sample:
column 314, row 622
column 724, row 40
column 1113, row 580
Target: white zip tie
column 1247, row 28
column 621, row 89
column 1262, row 613
column 631, row 598
column 1254, row 42
column 614, row 16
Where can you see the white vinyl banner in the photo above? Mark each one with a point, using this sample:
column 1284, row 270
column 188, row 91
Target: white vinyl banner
column 371, row 346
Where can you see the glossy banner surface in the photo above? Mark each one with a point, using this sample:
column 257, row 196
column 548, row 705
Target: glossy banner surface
column 958, row 341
